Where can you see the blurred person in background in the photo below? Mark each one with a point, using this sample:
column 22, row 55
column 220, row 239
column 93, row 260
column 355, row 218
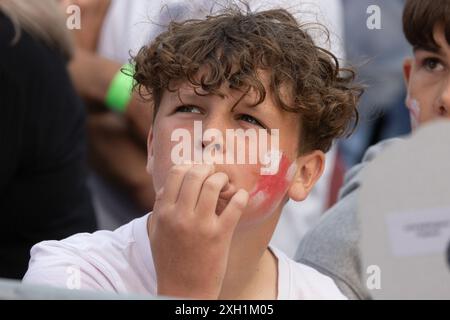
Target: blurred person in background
column 333, row 246
column 43, row 189
column 378, row 53
column 122, row 189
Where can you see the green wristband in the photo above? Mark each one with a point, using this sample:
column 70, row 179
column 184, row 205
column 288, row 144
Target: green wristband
column 119, row 91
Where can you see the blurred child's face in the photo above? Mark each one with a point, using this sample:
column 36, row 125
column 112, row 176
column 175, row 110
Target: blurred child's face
column 234, row 111
column 427, row 77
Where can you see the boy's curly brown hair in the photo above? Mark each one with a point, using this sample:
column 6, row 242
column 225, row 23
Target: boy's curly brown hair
column 234, row 46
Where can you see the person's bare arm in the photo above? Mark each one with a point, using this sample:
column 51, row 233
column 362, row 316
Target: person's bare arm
column 117, row 142
column 92, row 75
column 115, row 155
column 93, row 13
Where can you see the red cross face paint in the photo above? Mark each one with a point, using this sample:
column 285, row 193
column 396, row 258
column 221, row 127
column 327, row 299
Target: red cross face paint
column 269, row 191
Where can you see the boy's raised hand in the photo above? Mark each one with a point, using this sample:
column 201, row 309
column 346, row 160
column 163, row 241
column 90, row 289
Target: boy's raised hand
column 190, row 242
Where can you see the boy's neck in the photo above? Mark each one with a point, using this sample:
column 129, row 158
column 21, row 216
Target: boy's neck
column 252, row 271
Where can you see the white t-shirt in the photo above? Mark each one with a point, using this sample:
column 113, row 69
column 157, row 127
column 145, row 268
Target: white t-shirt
column 121, row 261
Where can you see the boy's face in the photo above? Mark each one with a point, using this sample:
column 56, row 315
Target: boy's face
column 233, row 112
column 427, row 77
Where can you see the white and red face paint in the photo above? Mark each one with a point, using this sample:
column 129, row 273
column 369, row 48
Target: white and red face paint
column 414, row 111
column 270, row 190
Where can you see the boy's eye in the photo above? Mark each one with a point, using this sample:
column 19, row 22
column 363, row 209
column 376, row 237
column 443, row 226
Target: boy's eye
column 188, row 109
column 433, row 64
column 250, row 119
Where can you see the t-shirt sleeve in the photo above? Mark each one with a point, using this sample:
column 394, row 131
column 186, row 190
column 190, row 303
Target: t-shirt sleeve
column 58, row 265
column 318, row 286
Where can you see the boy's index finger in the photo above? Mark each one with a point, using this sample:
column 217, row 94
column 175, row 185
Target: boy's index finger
column 192, row 185
column 231, row 215
column 174, row 181
column 213, row 186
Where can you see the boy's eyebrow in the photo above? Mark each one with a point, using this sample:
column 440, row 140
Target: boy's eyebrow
column 430, row 48
column 189, row 96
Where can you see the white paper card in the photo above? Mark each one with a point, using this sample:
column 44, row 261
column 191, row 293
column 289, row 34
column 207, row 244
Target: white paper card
column 421, row 232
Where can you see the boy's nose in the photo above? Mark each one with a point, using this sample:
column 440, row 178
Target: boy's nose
column 443, row 107
column 217, row 145
column 219, row 130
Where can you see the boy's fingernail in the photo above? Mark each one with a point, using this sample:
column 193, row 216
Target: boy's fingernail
column 243, row 193
column 159, row 193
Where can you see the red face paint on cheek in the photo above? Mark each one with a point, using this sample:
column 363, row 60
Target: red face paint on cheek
column 270, row 190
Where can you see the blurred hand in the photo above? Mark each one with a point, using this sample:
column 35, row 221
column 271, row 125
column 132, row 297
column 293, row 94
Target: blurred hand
column 93, row 13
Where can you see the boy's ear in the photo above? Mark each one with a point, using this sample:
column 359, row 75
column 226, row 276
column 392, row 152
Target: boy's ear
column 309, row 169
column 407, row 65
column 150, row 151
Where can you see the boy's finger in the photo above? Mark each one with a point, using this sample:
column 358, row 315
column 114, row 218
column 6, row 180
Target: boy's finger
column 230, row 216
column 173, row 183
column 209, row 194
column 192, row 185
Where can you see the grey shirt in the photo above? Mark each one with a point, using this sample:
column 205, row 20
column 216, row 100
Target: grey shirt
column 332, row 247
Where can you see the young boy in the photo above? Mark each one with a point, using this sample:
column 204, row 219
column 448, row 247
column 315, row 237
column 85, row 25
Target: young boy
column 426, row 24
column 208, row 234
